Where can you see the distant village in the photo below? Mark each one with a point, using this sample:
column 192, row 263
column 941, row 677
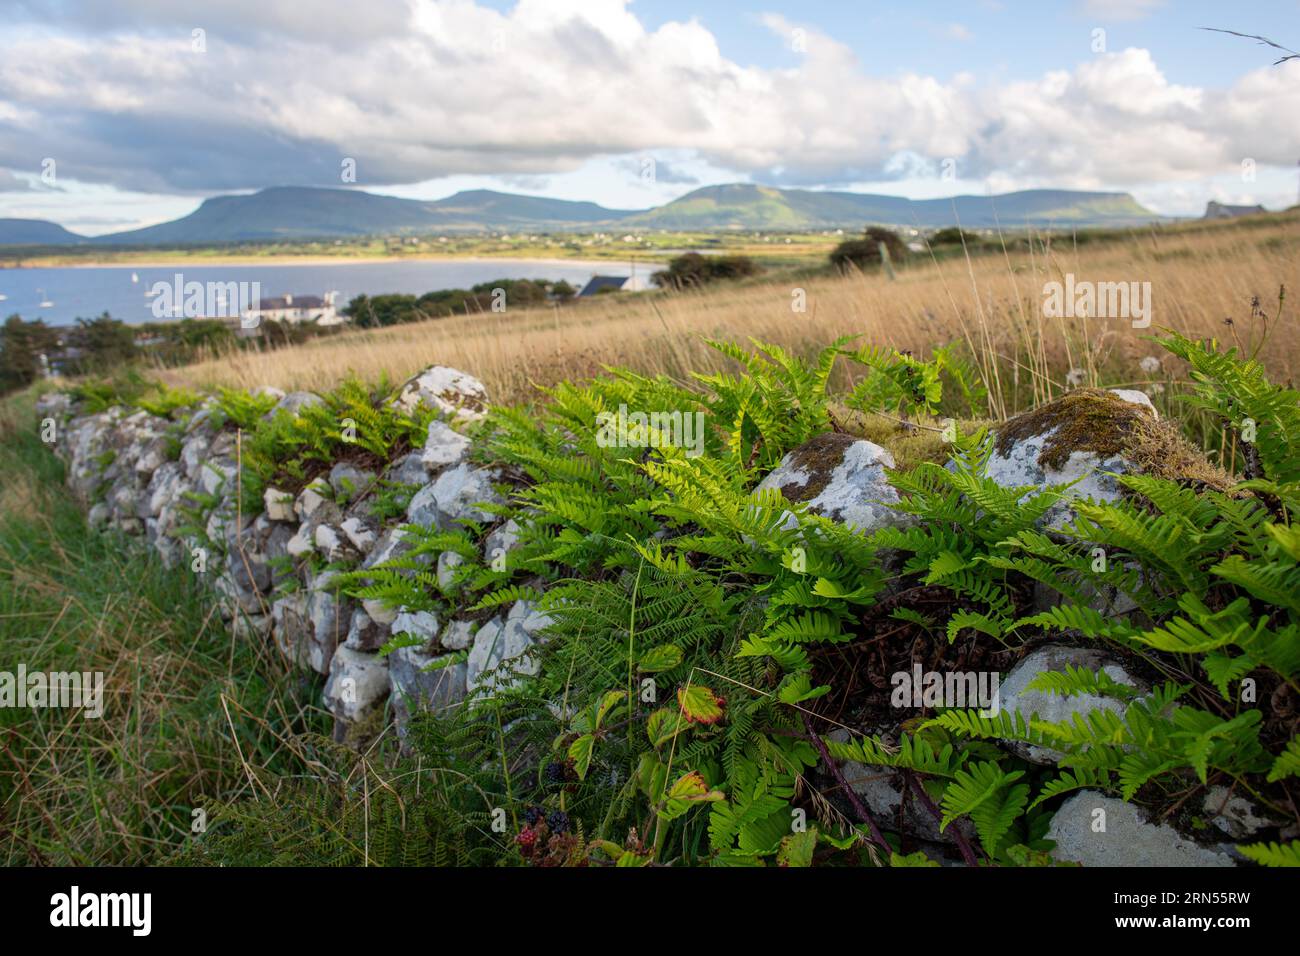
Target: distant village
column 281, row 319
column 322, row 311
column 291, row 317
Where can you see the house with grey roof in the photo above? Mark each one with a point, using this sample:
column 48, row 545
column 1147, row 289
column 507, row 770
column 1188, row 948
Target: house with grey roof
column 295, row 310
column 598, row 284
column 1217, row 210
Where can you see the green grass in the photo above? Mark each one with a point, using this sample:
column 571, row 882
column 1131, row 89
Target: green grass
column 180, row 691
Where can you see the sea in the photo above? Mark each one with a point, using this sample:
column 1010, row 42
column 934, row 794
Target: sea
column 61, row 295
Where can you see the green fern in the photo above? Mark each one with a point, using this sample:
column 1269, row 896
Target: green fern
column 1272, row 854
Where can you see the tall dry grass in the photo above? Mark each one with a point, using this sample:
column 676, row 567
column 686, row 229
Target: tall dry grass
column 992, row 303
column 190, row 713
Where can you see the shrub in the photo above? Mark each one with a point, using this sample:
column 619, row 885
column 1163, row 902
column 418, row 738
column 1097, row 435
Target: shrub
column 953, row 236
column 397, row 308
column 692, row 270
column 102, row 343
column 21, row 346
column 865, row 252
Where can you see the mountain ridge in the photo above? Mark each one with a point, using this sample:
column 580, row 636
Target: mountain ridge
column 768, row 207
column 36, row 232
column 308, row 212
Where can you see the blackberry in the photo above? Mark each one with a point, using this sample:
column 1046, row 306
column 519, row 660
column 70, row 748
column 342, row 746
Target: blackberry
column 555, row 773
column 533, row 815
column 558, row 821
column 526, row 838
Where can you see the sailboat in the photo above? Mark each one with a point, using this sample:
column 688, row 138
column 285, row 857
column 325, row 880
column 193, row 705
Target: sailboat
column 45, row 303
column 135, row 277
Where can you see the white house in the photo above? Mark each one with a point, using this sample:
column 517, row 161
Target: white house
column 295, row 310
column 636, row 283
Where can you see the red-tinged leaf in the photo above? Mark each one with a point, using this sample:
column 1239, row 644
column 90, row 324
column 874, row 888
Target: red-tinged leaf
column 689, row 790
column 700, row 705
column 607, row 703
column 691, row 787
column 581, row 751
column 797, row 849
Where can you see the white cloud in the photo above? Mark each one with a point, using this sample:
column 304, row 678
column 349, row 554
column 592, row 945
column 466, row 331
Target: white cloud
column 437, row 88
column 1122, row 9
column 11, row 183
column 1113, row 120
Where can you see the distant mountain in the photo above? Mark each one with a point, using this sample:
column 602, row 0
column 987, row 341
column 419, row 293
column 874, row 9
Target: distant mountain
column 302, row 212
column 480, row 208
column 1037, row 207
column 744, row 206
column 35, row 232
column 282, row 212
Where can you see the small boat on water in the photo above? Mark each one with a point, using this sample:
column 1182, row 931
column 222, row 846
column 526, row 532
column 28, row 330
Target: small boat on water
column 135, row 277
column 45, row 303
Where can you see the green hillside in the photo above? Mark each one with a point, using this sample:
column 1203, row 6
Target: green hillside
column 300, row 212
column 743, row 206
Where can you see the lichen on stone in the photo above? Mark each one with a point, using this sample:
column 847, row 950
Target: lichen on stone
column 1098, row 421
column 815, row 462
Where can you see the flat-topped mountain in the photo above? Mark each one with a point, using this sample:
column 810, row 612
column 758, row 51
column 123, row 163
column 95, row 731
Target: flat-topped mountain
column 35, row 232
column 304, row 212
column 746, row 206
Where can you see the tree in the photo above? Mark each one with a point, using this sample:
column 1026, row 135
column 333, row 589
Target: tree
column 865, row 252
column 731, row 267
column 393, row 309
column 103, row 343
column 692, row 269
column 371, row 312
column 952, row 236
column 21, row 346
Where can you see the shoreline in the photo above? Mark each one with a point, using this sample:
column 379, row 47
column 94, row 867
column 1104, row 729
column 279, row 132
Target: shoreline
column 297, row 260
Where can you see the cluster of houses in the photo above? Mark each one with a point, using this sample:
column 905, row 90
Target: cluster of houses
column 322, row 310
column 291, row 309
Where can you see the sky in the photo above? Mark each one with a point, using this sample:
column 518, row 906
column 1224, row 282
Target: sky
column 115, row 115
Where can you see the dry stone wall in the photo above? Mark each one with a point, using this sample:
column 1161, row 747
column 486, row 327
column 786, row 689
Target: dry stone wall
column 138, row 475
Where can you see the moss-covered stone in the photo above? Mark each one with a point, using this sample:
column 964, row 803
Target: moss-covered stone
column 813, row 464
column 840, row 477
column 1101, row 422
column 910, row 445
